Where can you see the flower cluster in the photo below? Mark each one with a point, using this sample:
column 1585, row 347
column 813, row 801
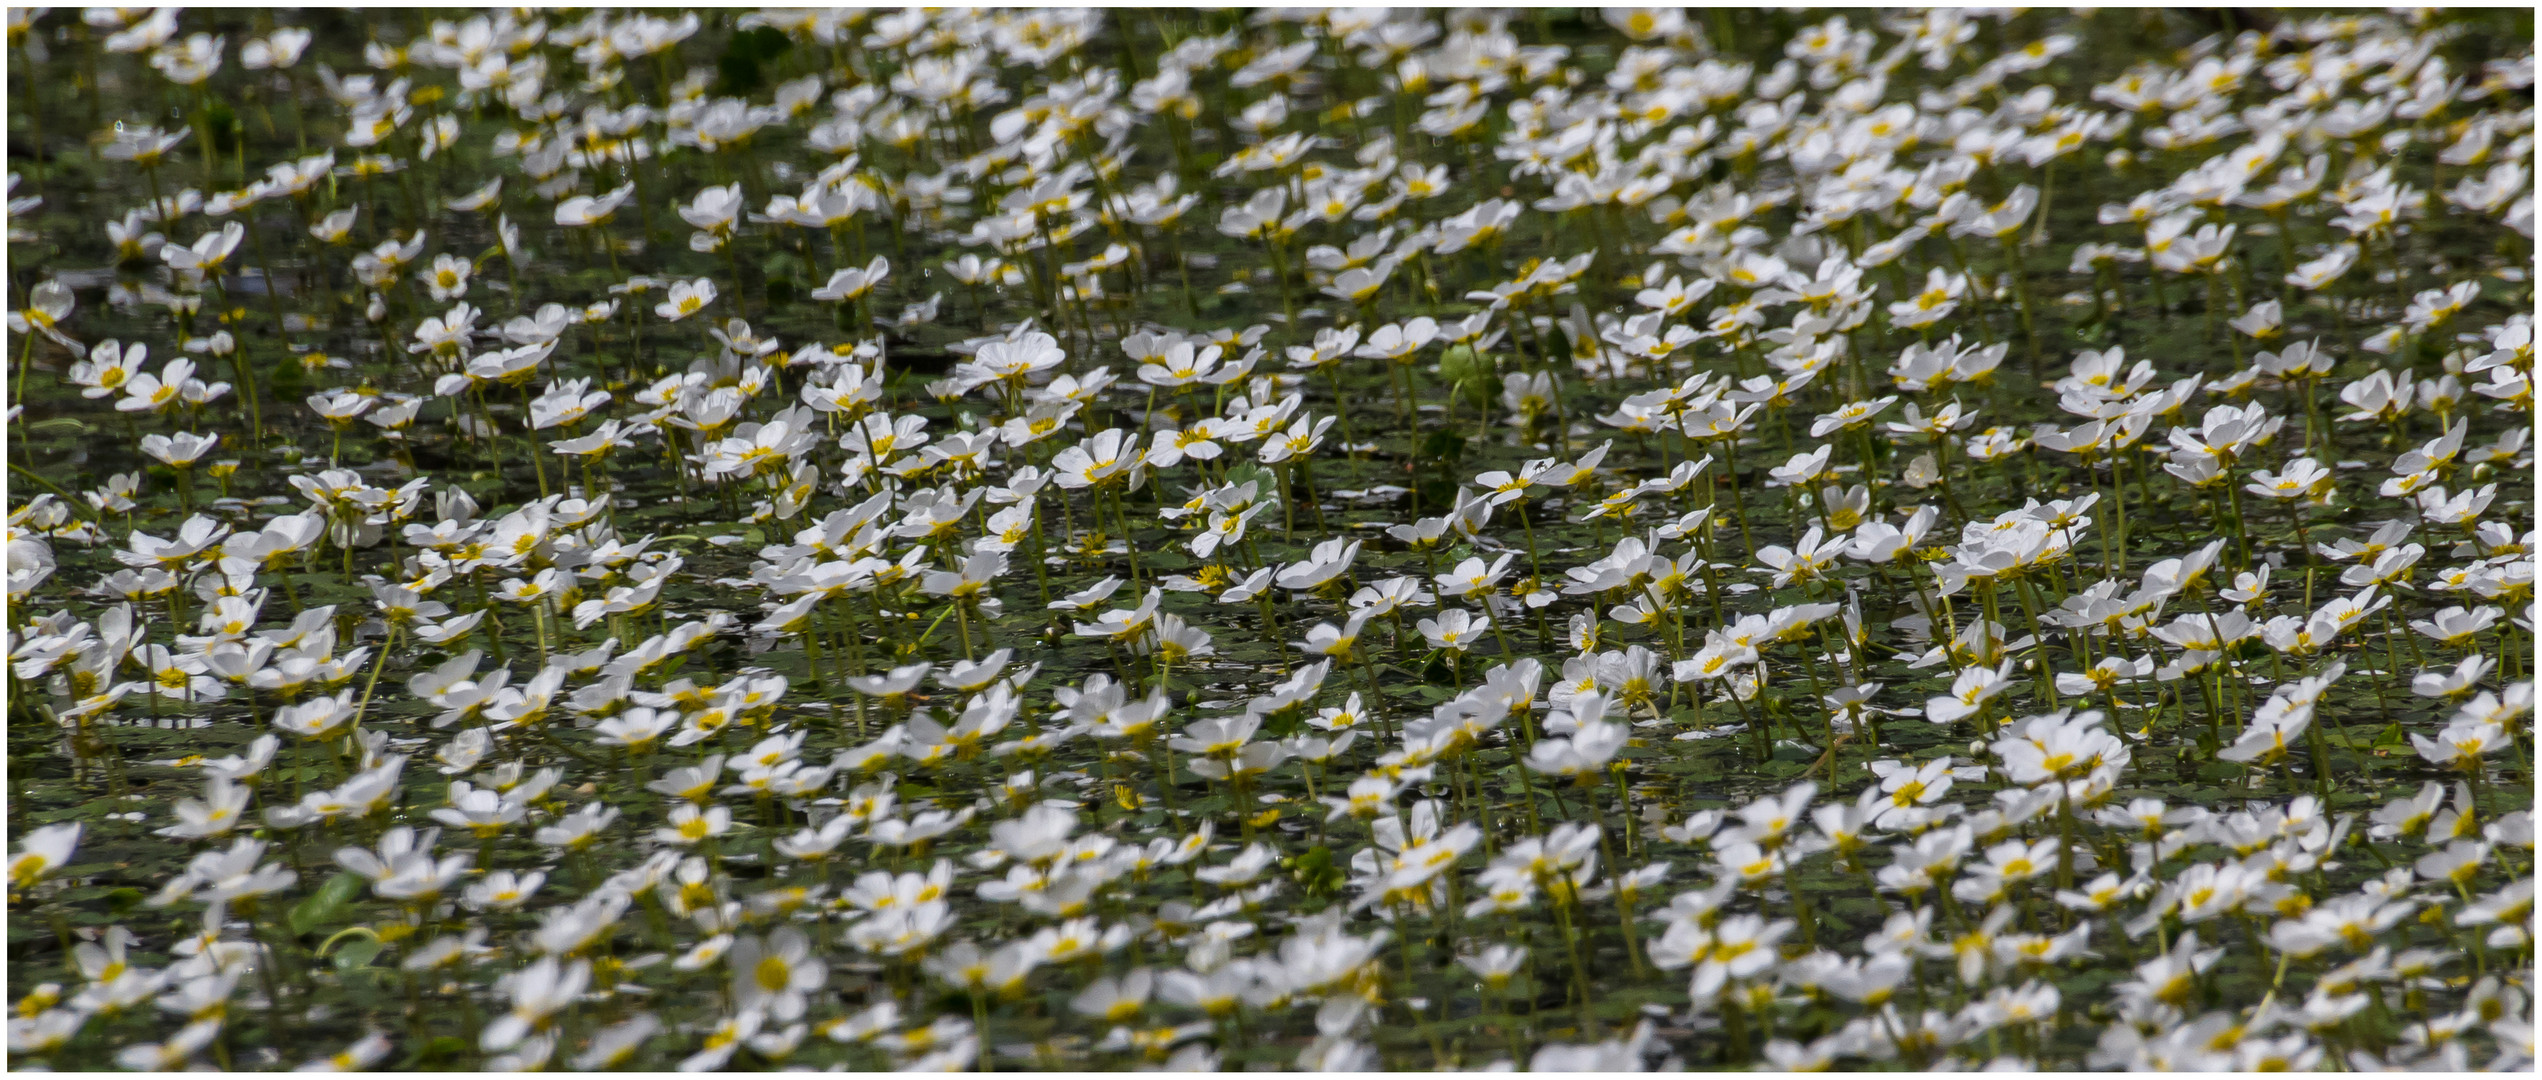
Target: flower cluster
column 1332, row 539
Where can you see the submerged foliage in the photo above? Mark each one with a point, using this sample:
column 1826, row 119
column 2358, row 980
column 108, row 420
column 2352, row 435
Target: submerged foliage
column 1320, row 539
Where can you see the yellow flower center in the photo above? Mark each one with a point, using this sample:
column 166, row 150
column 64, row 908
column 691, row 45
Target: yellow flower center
column 773, row 973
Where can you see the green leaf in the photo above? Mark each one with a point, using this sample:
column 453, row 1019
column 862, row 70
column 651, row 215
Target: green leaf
column 353, row 954
column 441, row 1048
column 328, row 902
column 1469, row 373
column 1315, row 872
